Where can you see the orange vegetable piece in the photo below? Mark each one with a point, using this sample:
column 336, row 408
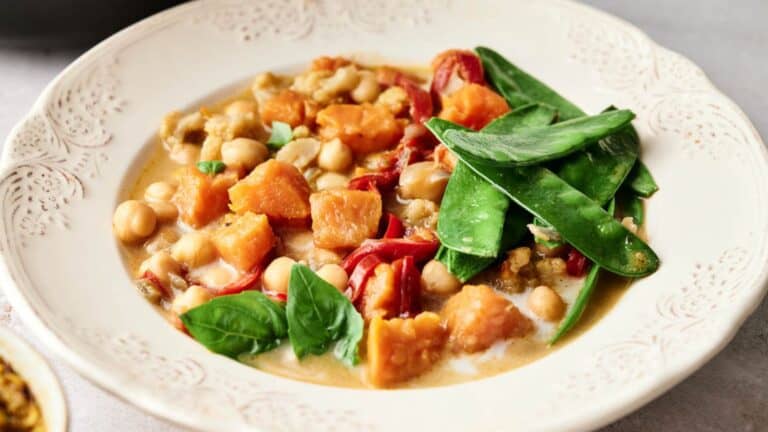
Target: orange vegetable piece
column 276, row 189
column 201, row 198
column 246, row 241
column 478, row 316
column 473, row 106
column 329, row 63
column 344, row 218
column 380, row 298
column 364, row 128
column 289, row 107
column 401, row 349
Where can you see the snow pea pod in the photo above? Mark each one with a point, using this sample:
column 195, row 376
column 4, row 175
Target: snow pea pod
column 578, row 219
column 519, row 87
column 641, row 181
column 532, row 145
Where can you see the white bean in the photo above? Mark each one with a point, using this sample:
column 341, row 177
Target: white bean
column 300, row 152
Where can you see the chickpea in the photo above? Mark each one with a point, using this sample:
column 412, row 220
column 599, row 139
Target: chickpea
column 436, row 279
column 334, row 275
column 217, row 276
column 160, row 191
column 241, row 107
column 423, row 180
column 334, row 156
column 394, row 99
column 244, row 152
column 161, row 264
column 193, row 297
column 330, row 181
column 546, row 303
column 185, row 154
column 367, row 90
column 277, row 275
column 194, row 249
column 301, row 131
column 299, row 152
column 133, row 221
column 165, row 211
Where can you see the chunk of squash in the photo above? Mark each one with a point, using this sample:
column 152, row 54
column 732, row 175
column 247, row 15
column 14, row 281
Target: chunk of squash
column 478, row 316
column 473, row 106
column 201, row 198
column 289, row 107
column 380, row 296
column 245, row 241
column 364, row 128
column 276, row 189
column 401, row 349
column 344, row 218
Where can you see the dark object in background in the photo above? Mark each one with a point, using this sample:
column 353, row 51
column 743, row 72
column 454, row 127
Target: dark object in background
column 69, row 23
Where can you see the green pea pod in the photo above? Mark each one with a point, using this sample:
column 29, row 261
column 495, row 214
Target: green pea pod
column 520, row 88
column 471, row 221
column 641, row 181
column 532, row 145
column 465, row 266
column 578, row 219
column 582, row 299
column 631, row 205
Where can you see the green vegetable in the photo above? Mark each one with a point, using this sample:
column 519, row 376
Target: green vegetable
column 578, row 219
column 530, row 146
column 465, row 266
column 632, row 206
column 585, row 293
column 318, row 315
column 246, row 323
column 641, row 181
column 211, row 166
column 600, row 169
column 281, row 135
column 520, row 88
column 471, row 214
column 527, row 116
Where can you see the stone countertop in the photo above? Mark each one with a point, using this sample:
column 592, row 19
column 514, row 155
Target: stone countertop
column 727, row 39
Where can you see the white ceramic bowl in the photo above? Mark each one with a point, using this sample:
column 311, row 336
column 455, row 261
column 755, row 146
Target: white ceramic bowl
column 40, row 379
column 69, row 161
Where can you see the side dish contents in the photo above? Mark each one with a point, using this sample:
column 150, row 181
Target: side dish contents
column 19, row 412
column 376, row 226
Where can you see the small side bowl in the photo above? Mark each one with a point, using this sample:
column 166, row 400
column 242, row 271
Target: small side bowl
column 42, row 382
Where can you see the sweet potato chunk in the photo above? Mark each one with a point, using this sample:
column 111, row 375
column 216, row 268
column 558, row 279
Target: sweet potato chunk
column 344, row 218
column 401, row 349
column 380, row 298
column 364, row 128
column 276, row 189
column 329, row 63
column 478, row 316
column 473, row 106
column 289, row 107
column 246, row 241
column 202, row 198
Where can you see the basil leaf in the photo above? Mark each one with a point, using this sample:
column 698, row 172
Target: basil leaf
column 318, row 315
column 281, row 135
column 211, row 166
column 246, row 323
column 529, row 146
column 641, row 181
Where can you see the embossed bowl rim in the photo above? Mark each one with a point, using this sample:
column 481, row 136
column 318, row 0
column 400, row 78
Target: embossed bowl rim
column 592, row 418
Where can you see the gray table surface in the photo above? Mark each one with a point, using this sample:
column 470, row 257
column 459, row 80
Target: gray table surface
column 728, row 39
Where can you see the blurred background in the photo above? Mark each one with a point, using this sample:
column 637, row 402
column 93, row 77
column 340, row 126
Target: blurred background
column 728, row 39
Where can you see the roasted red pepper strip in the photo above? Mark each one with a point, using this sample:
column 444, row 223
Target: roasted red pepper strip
column 465, row 63
column 390, row 250
column 381, row 181
column 395, row 227
column 248, row 281
column 363, row 270
column 421, row 101
column 408, row 284
column 155, row 281
column 577, row 264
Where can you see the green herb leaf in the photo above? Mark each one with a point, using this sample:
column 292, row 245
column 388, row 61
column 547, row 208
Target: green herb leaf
column 529, row 146
column 318, row 315
column 211, row 167
column 281, row 135
column 246, row 323
column 641, row 181
column 578, row 219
